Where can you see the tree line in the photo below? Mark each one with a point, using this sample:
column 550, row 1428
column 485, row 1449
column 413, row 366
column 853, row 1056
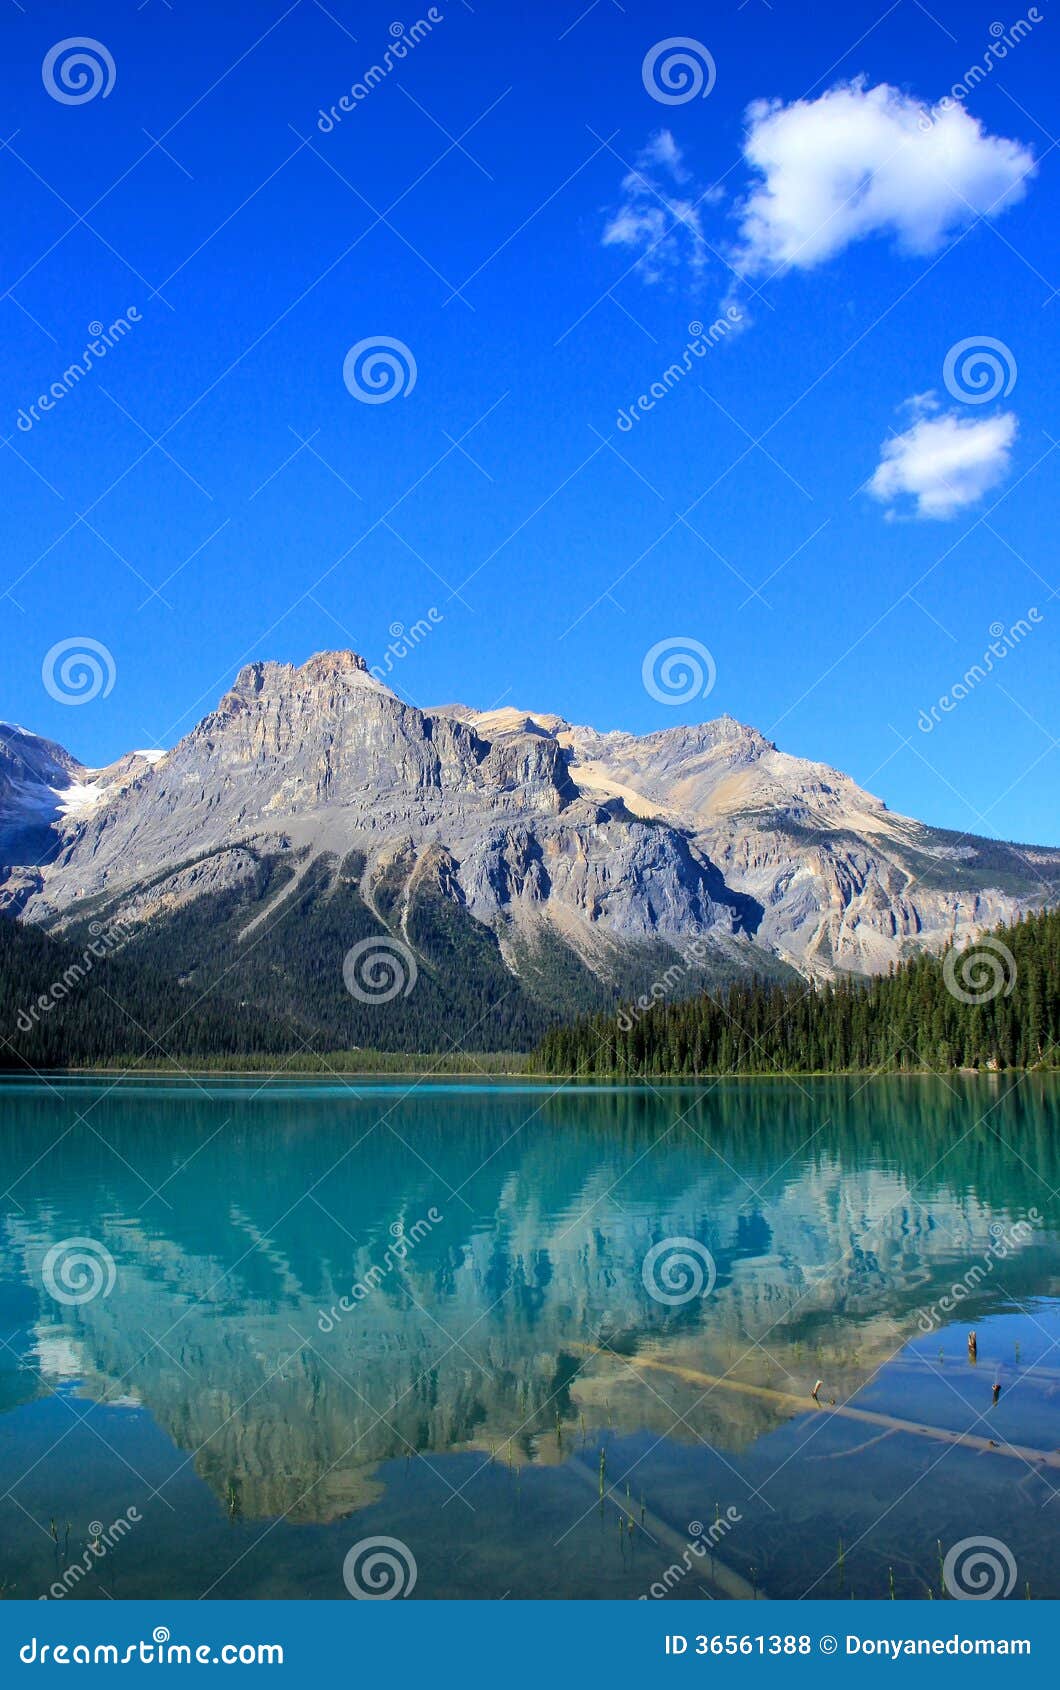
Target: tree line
column 992, row 1004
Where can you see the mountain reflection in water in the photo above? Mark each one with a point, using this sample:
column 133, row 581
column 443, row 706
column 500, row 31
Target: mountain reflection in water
column 389, row 1301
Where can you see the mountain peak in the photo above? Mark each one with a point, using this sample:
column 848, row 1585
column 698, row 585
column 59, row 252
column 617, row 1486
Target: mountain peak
column 325, row 665
column 268, row 677
column 322, row 665
column 552, row 835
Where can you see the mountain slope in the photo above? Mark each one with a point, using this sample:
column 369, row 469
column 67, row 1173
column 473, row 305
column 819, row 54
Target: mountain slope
column 840, row 882
column 993, row 1005
column 41, row 787
column 525, row 868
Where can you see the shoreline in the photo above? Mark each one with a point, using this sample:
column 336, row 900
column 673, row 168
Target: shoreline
column 539, row 1076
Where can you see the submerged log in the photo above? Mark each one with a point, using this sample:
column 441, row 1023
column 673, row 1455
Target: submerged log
column 802, row 1405
column 710, row 1568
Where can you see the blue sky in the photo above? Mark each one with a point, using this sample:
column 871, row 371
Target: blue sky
column 514, row 206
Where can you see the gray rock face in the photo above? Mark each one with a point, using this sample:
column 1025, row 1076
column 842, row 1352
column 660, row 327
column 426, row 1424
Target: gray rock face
column 41, row 787
column 842, row 882
column 533, row 825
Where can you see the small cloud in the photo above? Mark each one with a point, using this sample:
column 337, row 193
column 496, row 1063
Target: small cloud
column 943, row 462
column 864, row 161
column 921, row 404
column 665, row 227
column 663, row 149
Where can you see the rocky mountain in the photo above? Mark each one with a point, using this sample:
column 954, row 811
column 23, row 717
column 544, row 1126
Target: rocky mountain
column 42, row 787
column 516, row 859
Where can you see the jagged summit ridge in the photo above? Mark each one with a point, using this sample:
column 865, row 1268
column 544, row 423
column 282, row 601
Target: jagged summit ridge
column 544, row 832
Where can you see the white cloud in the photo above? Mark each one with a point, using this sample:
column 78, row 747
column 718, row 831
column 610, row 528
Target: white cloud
column 943, row 462
column 663, row 225
column 663, row 149
column 857, row 162
column 864, row 161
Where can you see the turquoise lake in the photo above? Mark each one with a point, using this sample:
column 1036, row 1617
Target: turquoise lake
column 544, row 1341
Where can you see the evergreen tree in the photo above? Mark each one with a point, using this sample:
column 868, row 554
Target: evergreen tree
column 994, row 1003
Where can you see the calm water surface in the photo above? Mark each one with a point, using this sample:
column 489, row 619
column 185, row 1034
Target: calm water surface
column 449, row 1316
